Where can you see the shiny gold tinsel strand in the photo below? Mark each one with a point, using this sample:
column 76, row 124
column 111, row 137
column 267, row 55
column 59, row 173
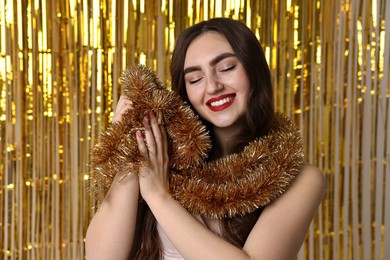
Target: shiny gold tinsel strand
column 60, row 62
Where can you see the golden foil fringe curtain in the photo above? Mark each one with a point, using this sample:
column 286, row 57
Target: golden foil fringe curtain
column 59, row 67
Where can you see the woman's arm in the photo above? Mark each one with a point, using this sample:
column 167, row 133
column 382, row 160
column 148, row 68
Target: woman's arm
column 278, row 234
column 110, row 234
column 282, row 226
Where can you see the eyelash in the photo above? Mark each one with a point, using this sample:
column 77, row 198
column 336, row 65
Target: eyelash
column 228, row 68
column 223, row 70
column 194, row 81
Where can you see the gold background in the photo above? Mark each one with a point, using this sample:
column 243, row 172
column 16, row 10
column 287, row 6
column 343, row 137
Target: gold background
column 59, row 67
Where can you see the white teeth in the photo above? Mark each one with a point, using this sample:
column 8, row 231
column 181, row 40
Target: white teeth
column 221, row 102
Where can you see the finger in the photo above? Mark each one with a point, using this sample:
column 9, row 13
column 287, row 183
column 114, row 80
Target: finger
column 126, row 101
column 122, row 106
column 118, row 114
column 159, row 139
column 150, row 141
column 165, row 140
column 143, row 149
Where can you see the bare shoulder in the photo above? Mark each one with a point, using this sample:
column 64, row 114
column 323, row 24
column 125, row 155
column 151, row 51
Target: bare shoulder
column 311, row 178
column 313, row 173
column 305, row 193
column 311, row 169
column 307, row 190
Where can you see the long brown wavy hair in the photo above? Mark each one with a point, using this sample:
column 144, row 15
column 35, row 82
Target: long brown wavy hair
column 258, row 118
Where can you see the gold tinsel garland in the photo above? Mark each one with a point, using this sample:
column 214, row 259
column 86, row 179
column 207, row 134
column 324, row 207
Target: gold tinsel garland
column 117, row 150
column 233, row 185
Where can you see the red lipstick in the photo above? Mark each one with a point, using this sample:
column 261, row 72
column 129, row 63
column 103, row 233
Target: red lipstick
column 220, row 103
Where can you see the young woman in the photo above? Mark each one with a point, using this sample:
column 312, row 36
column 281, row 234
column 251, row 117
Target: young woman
column 219, row 68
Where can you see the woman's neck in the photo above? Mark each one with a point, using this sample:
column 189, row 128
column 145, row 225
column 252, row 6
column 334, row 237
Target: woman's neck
column 222, row 141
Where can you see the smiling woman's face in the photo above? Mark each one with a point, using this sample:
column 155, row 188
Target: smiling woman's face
column 216, row 82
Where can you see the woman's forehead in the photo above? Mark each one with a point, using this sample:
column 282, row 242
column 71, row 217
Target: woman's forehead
column 206, row 47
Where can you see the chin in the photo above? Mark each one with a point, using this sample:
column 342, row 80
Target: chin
column 229, row 122
column 224, row 124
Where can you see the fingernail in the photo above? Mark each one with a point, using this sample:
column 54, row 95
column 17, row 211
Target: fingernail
column 138, row 133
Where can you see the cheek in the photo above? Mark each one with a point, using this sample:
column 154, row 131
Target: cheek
column 247, row 88
column 193, row 96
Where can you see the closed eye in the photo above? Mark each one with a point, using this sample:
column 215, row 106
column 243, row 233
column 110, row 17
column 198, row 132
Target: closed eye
column 194, row 81
column 228, row 68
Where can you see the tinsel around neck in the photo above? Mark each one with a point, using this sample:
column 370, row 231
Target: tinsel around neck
column 230, row 186
column 240, row 183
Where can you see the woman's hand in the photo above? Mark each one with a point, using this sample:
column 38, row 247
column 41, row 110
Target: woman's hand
column 153, row 146
column 123, row 105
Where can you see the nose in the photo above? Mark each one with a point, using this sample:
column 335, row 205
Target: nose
column 213, row 85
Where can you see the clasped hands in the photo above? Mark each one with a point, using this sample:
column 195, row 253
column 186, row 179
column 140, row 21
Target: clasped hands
column 153, row 145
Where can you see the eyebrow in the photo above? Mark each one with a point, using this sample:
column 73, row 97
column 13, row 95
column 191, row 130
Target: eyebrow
column 212, row 62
